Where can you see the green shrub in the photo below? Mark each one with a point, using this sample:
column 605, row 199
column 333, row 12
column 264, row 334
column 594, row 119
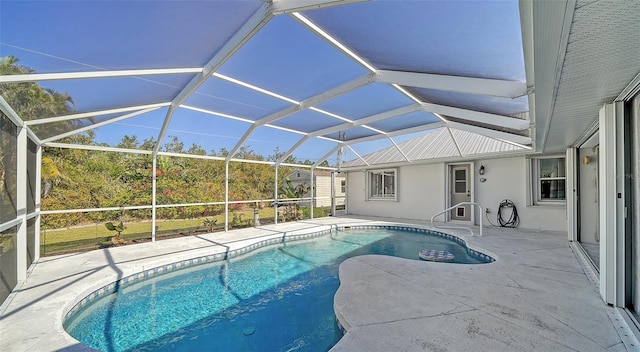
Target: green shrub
column 317, row 212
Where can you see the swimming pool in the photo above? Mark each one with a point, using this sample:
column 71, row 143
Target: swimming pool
column 279, row 298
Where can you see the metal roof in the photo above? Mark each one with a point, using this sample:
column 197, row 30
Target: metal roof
column 443, row 143
column 303, row 77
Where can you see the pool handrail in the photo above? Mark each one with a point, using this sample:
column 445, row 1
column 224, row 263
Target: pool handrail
column 458, row 227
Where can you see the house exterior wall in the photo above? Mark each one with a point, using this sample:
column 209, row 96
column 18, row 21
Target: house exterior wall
column 323, row 191
column 507, row 179
column 422, row 193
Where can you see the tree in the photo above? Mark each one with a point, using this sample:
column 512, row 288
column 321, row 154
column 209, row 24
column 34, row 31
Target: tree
column 8, row 162
column 129, row 142
column 148, row 144
column 50, row 174
column 196, row 149
column 288, row 190
column 174, row 146
column 28, row 99
column 31, row 101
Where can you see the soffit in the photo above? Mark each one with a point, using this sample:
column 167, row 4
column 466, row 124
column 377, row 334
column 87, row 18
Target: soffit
column 599, row 61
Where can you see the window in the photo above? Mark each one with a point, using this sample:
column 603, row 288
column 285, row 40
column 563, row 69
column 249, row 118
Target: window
column 382, row 184
column 343, row 186
column 460, row 181
column 549, row 179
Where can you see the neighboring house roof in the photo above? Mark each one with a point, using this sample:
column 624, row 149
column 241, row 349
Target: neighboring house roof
column 315, row 173
column 440, row 143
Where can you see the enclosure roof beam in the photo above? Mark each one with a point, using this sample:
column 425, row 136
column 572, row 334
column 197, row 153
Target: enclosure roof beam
column 477, row 116
column 95, row 147
column 254, row 88
column 246, row 32
column 470, row 85
column 369, row 119
column 10, row 113
column 429, row 126
column 332, row 41
column 41, row 77
column 358, row 155
column 243, row 139
column 96, row 125
column 33, row 137
column 292, row 149
column 289, row 6
column 515, row 139
column 317, row 99
column 93, row 114
column 215, row 113
column 399, row 149
column 455, row 142
column 326, row 156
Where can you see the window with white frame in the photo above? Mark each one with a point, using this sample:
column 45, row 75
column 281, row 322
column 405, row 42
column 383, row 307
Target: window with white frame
column 382, row 184
column 548, row 179
column 343, row 186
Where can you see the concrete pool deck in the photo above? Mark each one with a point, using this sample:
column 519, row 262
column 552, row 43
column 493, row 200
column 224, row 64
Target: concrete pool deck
column 535, row 297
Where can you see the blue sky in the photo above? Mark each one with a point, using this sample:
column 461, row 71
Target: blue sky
column 473, row 37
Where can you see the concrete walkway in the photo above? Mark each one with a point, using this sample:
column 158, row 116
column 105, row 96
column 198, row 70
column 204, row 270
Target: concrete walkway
column 535, row 297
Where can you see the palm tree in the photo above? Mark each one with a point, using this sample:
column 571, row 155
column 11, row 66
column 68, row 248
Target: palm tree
column 29, row 100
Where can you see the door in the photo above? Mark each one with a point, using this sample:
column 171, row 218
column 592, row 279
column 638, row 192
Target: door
column 588, row 198
column 460, row 187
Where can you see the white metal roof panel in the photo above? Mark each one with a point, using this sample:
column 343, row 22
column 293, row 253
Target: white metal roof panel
column 438, row 144
column 473, row 143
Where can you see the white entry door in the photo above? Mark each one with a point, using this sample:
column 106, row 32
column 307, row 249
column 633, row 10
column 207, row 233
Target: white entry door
column 460, row 186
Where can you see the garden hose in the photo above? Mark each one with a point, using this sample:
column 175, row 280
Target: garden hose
column 514, row 219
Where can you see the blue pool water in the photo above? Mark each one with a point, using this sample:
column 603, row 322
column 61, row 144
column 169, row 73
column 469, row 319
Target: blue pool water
column 279, row 298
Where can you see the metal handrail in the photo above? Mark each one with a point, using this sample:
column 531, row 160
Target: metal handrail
column 458, row 227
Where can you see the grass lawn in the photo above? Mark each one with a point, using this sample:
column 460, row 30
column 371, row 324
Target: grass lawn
column 97, row 236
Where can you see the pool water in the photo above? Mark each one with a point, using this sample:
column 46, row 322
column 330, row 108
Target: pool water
column 279, row 298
